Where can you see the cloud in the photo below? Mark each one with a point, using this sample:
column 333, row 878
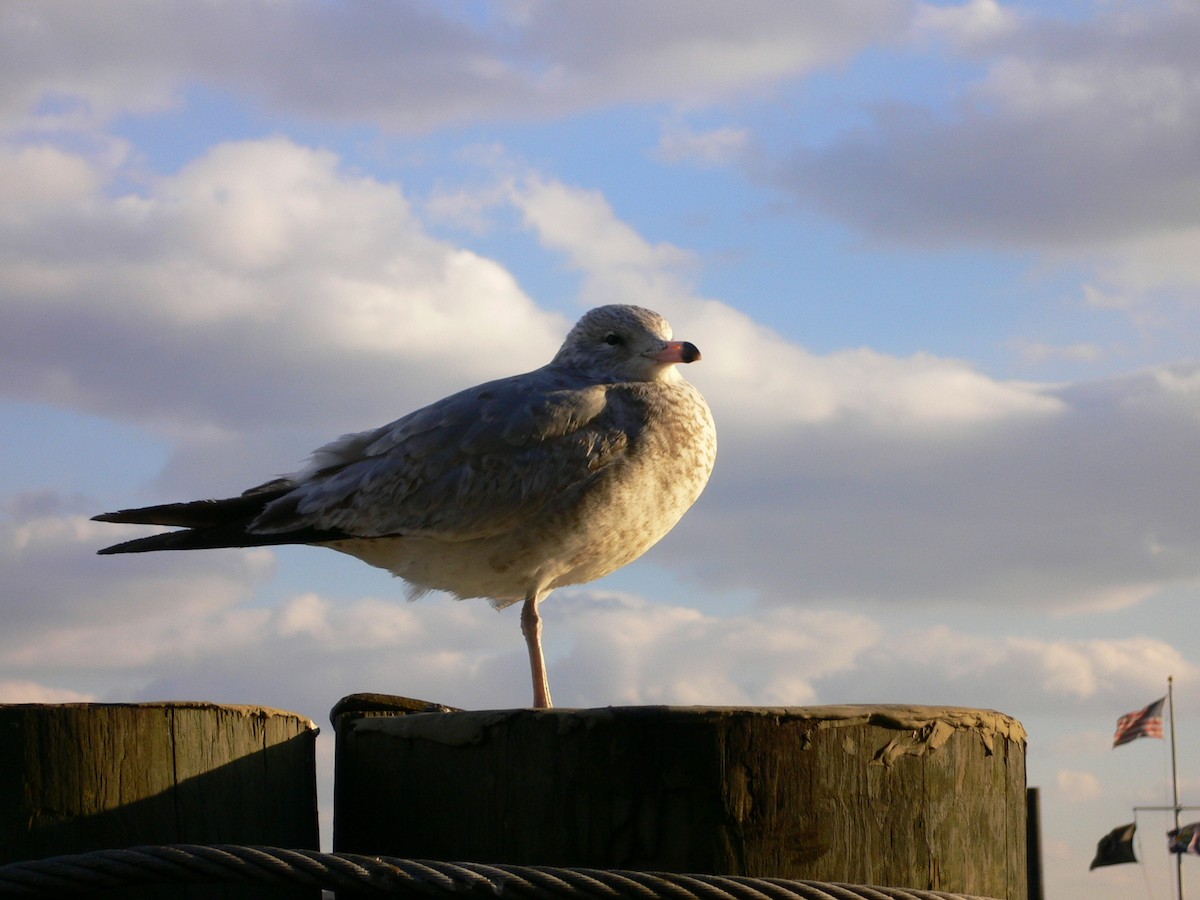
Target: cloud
column 758, row 379
column 822, row 458
column 604, row 649
column 415, row 67
column 185, row 624
column 262, row 285
column 1038, row 351
column 717, row 146
column 41, row 178
column 1032, row 677
column 274, row 295
column 14, row 691
column 202, row 635
column 626, row 650
column 966, row 24
column 680, row 51
column 846, row 476
column 66, row 609
column 1160, row 265
column 1077, row 787
column 462, row 654
column 1076, row 510
column 1078, row 142
column 79, row 626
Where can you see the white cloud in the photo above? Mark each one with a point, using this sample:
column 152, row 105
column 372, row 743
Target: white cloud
column 1099, row 298
column 49, row 558
column 677, row 50
column 965, row 24
column 827, row 459
column 412, row 67
column 305, row 614
column 757, row 379
column 15, row 691
column 715, row 147
column 1139, row 266
column 583, row 226
column 1077, row 787
column 261, row 284
column 821, row 455
column 265, row 295
column 1087, row 668
column 628, row 651
column 1039, row 352
column 78, row 626
column 604, row 648
column 1076, row 144
column 1025, row 676
column 1076, row 510
column 35, row 179
column 271, row 294
column 67, row 610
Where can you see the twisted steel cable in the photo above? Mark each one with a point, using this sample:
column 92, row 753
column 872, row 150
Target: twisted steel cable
column 349, row 873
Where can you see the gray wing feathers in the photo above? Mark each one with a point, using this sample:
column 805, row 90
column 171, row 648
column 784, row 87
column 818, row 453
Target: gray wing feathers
column 475, row 464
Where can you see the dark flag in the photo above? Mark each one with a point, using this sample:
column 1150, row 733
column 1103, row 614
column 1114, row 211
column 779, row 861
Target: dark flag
column 1143, row 723
column 1115, row 848
column 1185, row 839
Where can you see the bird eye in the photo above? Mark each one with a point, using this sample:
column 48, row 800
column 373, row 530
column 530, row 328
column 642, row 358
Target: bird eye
column 612, row 339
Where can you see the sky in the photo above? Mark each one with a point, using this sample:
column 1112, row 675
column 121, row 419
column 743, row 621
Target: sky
column 942, row 260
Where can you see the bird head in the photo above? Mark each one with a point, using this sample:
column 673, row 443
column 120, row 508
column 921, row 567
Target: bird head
column 624, row 343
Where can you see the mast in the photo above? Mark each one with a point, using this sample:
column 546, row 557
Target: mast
column 1174, row 784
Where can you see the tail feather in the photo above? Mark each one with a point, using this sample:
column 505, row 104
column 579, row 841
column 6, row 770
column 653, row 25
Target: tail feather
column 210, row 524
column 199, row 513
column 215, row 538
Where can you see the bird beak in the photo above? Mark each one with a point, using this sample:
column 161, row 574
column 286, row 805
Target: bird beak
column 677, row 352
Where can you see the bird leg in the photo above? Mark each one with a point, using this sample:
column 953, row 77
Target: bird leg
column 531, row 627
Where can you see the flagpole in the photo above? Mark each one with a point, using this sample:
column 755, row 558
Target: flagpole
column 1174, row 784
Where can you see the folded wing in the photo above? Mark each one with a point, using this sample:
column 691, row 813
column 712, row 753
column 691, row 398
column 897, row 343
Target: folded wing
column 478, row 463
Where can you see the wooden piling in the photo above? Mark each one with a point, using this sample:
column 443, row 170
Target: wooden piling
column 900, row 796
column 84, row 776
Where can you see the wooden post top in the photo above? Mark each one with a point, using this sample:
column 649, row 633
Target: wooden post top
column 925, row 727
column 248, row 711
column 893, row 794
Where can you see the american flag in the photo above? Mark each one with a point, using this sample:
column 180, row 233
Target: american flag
column 1143, row 723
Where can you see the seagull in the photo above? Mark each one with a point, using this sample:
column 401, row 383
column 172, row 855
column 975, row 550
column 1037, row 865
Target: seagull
column 506, row 490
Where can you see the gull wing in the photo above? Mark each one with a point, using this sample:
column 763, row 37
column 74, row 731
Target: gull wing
column 478, row 463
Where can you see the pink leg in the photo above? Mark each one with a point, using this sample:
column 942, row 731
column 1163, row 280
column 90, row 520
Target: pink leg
column 531, row 627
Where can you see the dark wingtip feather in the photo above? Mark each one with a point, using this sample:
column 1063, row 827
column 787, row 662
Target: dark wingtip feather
column 115, row 548
column 219, row 539
column 211, row 524
column 168, row 541
column 202, row 513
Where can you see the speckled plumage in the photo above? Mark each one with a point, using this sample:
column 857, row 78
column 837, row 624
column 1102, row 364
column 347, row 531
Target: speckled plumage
column 506, row 490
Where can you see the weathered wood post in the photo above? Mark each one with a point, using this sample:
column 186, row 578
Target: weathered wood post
column 902, row 796
column 86, row 776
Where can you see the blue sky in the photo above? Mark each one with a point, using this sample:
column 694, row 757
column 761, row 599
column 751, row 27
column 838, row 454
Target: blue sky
column 943, row 262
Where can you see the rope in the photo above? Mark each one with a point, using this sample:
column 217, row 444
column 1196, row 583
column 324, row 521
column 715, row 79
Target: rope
column 380, row 875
